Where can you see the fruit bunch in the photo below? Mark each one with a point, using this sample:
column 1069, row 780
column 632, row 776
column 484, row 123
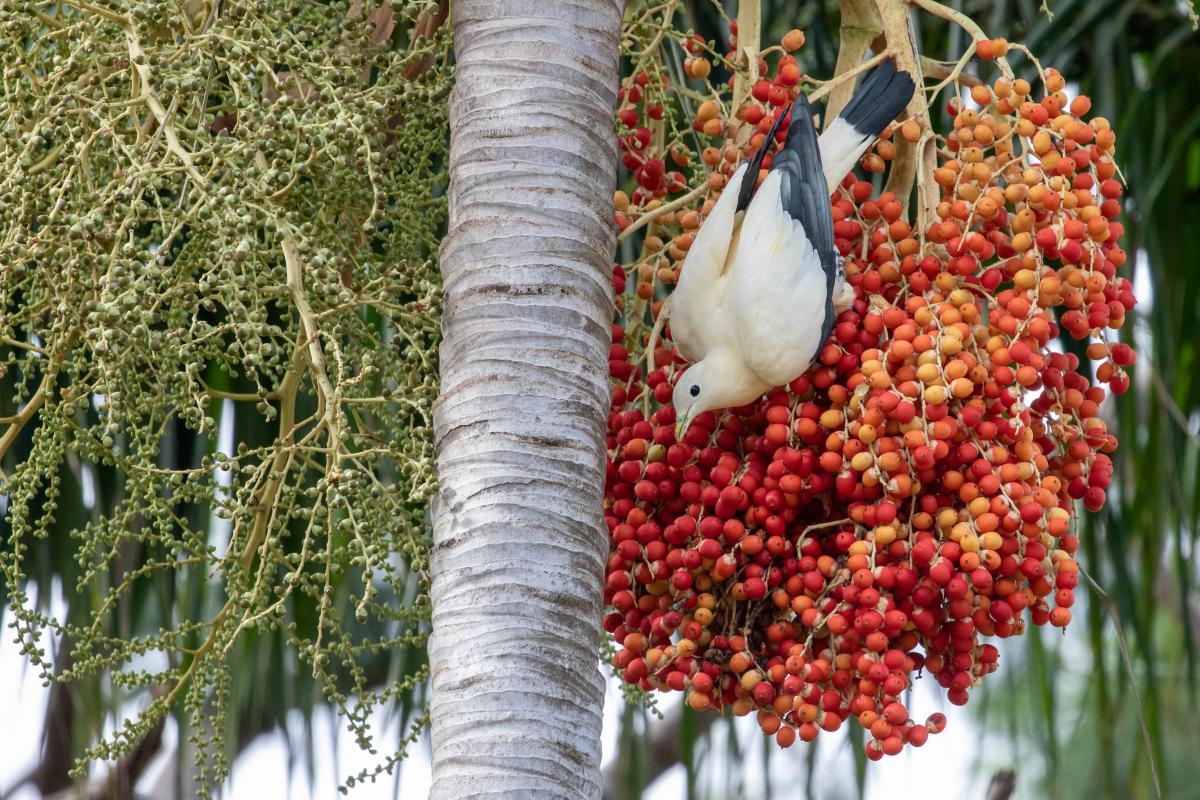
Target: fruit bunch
column 642, row 105
column 807, row 556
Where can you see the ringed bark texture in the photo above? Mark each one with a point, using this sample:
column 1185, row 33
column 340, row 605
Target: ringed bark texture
column 519, row 538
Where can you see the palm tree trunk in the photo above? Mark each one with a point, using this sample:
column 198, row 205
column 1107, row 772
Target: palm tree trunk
column 519, row 540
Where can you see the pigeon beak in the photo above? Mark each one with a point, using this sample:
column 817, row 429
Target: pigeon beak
column 681, row 427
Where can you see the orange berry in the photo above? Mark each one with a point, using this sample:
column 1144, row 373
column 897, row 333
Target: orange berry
column 793, row 40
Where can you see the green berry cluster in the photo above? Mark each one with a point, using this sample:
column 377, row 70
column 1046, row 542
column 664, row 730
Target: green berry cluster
column 219, row 320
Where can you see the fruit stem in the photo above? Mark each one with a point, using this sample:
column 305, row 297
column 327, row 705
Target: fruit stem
column 666, row 208
column 842, row 78
column 963, row 21
column 749, row 33
column 860, row 26
column 897, row 30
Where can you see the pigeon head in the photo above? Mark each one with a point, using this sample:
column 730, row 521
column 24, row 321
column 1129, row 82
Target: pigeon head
column 718, row 381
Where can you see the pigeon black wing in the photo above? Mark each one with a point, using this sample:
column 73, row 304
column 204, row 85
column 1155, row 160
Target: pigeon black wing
column 805, row 197
column 750, row 180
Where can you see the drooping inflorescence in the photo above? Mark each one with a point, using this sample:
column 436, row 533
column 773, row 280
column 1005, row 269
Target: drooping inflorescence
column 912, row 496
column 218, row 326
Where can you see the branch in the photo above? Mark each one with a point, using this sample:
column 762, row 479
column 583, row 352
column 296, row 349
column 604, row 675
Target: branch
column 664, row 312
column 650, row 216
column 237, row 397
column 264, row 506
column 18, row 421
column 837, row 80
column 940, row 70
column 860, row 25
column 137, row 58
column 47, row 161
column 124, row 775
column 950, row 74
column 265, row 502
column 964, row 22
column 749, row 34
column 91, row 8
column 316, row 355
column 328, row 396
column 897, row 29
column 18, row 344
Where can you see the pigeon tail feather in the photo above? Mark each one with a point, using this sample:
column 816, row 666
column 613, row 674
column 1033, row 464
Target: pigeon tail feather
column 882, row 96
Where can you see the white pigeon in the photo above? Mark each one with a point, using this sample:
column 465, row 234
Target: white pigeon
column 755, row 299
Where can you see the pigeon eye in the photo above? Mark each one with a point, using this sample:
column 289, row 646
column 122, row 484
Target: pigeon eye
column 695, row 390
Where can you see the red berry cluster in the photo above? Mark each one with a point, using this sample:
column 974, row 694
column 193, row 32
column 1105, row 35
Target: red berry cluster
column 641, row 106
column 804, row 556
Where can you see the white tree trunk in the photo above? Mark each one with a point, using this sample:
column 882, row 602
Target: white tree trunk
column 519, row 539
